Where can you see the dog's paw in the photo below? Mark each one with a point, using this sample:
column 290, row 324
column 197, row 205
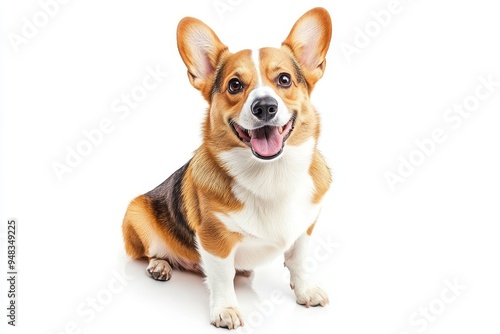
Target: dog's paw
column 311, row 296
column 228, row 317
column 160, row 270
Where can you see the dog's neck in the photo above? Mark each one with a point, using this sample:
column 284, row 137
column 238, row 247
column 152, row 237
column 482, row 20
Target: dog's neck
column 267, row 179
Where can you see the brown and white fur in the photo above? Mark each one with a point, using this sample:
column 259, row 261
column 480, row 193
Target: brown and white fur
column 252, row 190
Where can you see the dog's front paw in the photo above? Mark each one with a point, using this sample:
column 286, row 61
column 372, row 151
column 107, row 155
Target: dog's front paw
column 228, row 317
column 311, row 296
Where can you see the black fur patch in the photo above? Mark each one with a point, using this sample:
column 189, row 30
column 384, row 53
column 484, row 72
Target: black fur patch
column 168, row 207
column 218, row 79
column 298, row 71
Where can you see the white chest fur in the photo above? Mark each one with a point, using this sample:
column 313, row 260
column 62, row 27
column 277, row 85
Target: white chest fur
column 277, row 202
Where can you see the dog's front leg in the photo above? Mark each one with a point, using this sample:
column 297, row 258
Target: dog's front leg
column 220, row 280
column 306, row 292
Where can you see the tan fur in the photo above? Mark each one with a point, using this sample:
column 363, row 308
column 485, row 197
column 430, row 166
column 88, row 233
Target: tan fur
column 140, row 219
column 311, row 228
column 200, row 73
column 312, row 71
column 133, row 244
column 206, row 190
column 206, row 186
column 321, row 176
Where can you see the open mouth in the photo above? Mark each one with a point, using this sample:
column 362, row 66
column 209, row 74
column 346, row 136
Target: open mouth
column 266, row 142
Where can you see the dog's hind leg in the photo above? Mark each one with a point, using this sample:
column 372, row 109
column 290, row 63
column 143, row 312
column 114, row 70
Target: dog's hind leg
column 142, row 241
column 148, row 235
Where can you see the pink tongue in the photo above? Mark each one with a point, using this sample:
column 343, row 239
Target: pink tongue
column 266, row 141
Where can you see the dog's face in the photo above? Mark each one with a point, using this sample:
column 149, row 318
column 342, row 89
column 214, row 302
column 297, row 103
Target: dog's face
column 259, row 99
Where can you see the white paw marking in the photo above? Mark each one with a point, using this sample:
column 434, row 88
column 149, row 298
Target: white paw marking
column 160, row 270
column 228, row 317
column 311, row 296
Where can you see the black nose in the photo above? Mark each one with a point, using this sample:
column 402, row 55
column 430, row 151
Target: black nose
column 265, row 108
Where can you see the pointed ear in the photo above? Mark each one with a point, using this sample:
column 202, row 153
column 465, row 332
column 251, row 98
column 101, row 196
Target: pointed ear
column 200, row 49
column 309, row 40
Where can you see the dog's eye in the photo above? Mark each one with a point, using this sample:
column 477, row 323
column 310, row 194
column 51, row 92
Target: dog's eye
column 284, row 80
column 235, row 86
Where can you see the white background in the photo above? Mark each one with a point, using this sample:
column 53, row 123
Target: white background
column 396, row 249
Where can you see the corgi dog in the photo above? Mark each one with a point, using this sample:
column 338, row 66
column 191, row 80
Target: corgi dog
column 252, row 190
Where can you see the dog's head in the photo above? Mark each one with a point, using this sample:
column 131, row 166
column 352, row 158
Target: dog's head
column 259, row 99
